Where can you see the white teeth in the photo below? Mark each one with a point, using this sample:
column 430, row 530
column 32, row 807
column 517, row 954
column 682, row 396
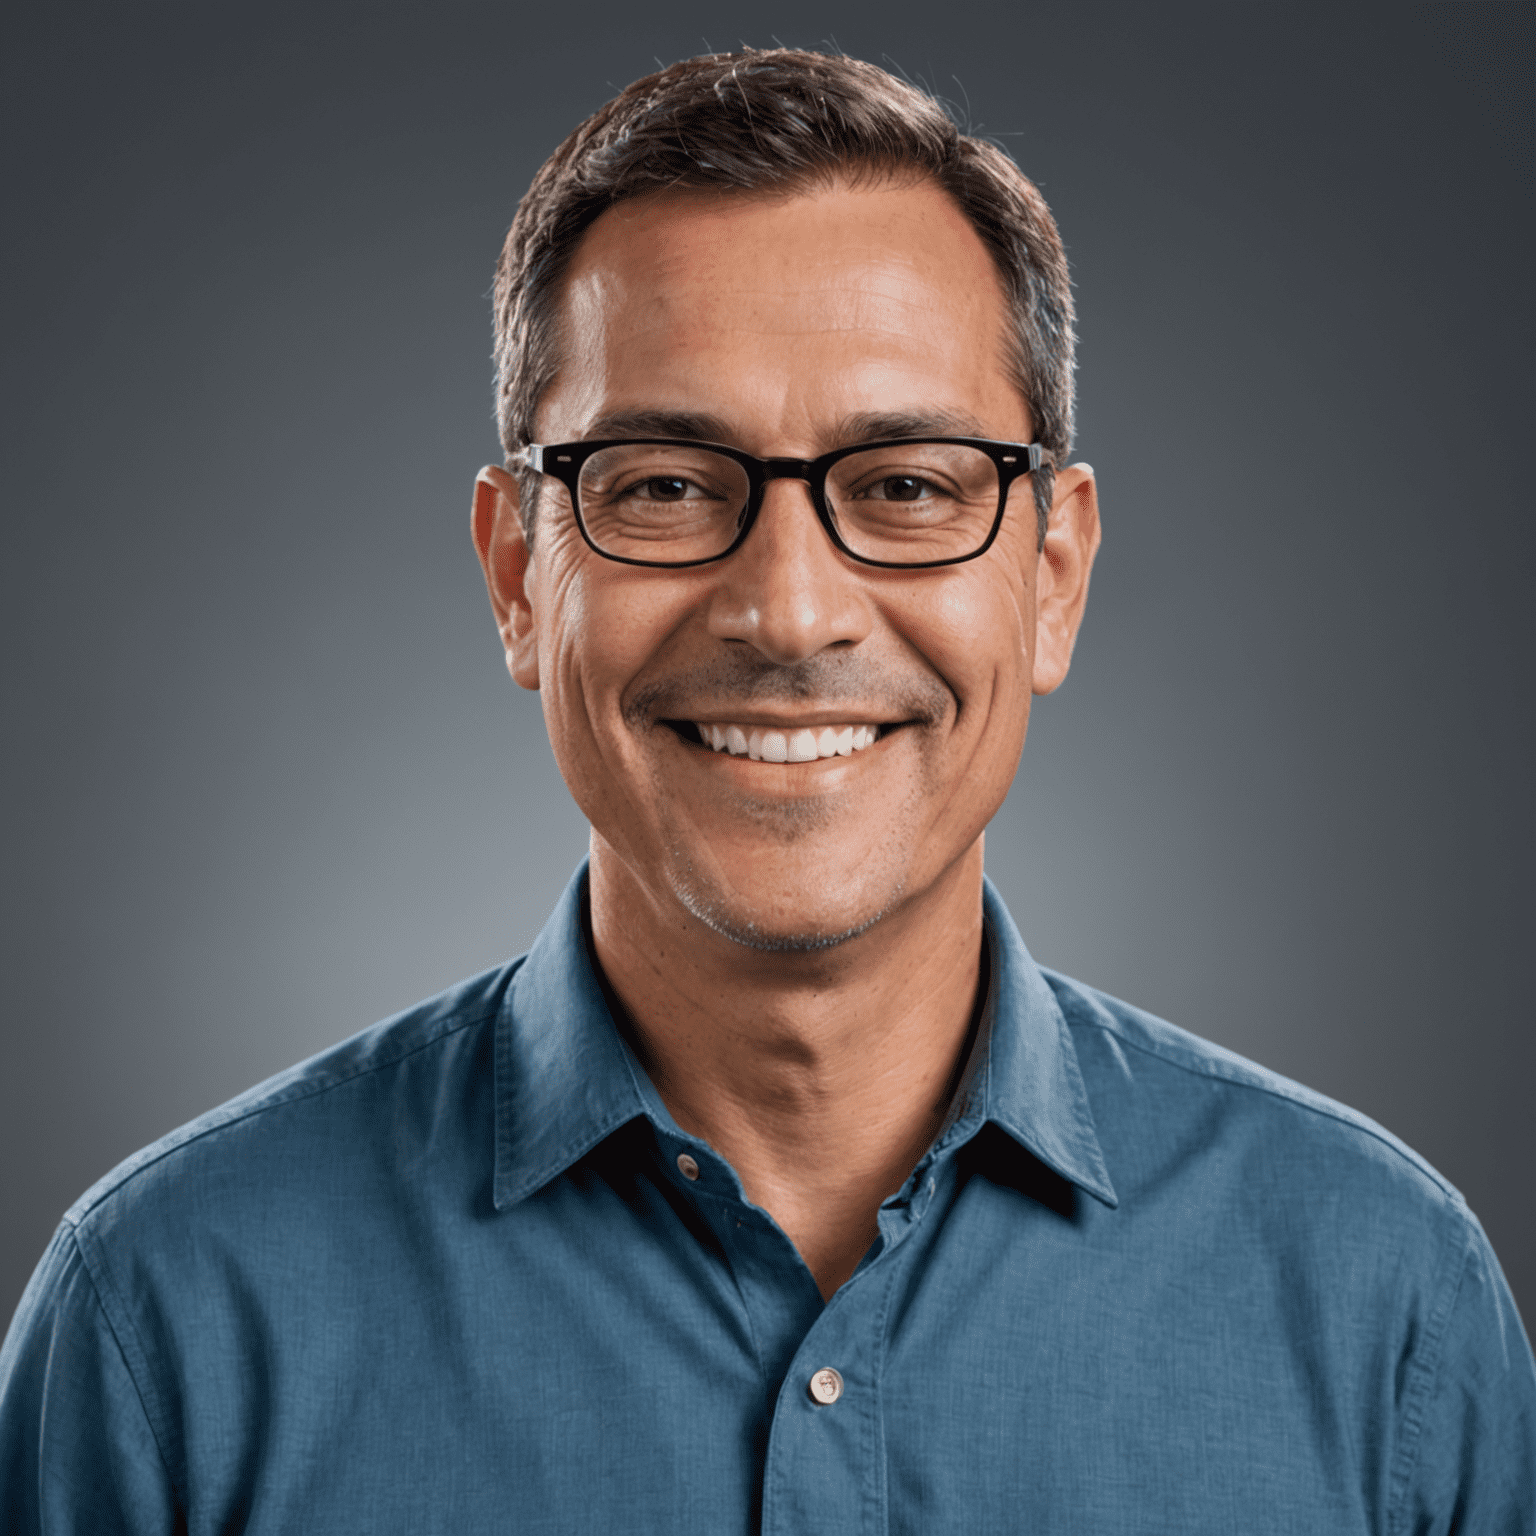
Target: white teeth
column 803, row 746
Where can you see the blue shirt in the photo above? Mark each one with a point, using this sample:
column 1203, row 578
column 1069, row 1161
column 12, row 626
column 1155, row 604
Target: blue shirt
column 450, row 1277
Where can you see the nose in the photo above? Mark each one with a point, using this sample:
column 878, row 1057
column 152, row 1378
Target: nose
column 788, row 591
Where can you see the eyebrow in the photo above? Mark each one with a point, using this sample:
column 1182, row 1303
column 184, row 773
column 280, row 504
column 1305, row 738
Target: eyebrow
column 859, row 427
column 696, row 425
column 872, row 426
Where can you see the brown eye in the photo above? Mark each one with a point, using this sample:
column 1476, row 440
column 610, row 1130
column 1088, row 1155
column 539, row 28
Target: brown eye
column 666, row 488
column 902, row 488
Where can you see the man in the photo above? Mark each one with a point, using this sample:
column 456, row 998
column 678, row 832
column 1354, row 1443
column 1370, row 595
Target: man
column 777, row 1188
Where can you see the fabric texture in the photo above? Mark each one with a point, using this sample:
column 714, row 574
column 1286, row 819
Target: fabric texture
column 448, row 1277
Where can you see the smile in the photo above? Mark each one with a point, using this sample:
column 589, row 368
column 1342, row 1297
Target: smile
column 803, row 746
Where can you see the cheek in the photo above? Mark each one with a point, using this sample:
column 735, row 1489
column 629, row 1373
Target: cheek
column 582, row 664
column 973, row 630
column 561, row 614
column 569, row 672
column 599, row 623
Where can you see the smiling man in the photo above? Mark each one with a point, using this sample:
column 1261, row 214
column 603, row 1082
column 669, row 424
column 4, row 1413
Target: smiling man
column 777, row 1189
column 787, row 676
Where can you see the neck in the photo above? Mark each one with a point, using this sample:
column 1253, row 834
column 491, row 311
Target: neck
column 821, row 1077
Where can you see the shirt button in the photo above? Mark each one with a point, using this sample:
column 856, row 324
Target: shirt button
column 826, row 1386
column 686, row 1166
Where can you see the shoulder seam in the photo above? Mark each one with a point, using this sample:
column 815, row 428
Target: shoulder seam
column 295, row 1094
column 1426, row 1369
column 1209, row 1072
column 152, row 1418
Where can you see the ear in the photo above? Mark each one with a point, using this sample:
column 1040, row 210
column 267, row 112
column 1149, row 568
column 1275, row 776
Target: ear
column 1061, row 574
column 497, row 528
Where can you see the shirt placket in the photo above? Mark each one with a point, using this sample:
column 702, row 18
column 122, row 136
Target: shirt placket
column 824, row 1467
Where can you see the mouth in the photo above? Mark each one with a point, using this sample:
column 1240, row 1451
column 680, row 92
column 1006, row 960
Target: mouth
column 766, row 744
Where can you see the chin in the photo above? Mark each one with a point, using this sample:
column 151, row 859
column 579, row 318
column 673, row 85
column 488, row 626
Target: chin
column 773, row 924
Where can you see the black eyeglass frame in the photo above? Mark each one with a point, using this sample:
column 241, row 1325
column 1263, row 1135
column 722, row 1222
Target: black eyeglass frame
column 564, row 461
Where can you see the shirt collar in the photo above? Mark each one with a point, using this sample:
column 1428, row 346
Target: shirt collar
column 1030, row 1083
column 566, row 1080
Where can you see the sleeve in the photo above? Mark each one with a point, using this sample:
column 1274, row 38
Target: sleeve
column 78, row 1456
column 1474, row 1470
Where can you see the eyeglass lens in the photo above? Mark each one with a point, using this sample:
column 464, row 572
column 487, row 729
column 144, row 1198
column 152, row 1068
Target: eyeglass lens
column 909, row 504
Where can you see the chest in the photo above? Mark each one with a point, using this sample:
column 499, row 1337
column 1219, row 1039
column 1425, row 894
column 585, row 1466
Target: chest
column 638, row 1366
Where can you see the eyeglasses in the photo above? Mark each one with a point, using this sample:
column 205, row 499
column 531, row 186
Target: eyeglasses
column 911, row 502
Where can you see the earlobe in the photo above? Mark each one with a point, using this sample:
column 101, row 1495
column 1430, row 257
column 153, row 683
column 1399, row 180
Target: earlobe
column 1061, row 575
column 497, row 529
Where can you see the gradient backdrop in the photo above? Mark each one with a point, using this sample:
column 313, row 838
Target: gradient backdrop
column 268, row 781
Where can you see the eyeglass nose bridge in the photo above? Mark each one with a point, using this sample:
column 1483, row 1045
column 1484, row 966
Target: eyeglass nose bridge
column 781, row 469
column 788, row 469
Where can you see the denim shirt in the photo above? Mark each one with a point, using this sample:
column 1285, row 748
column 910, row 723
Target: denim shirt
column 453, row 1276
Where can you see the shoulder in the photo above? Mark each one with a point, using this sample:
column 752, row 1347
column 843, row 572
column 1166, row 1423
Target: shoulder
column 1293, row 1214
column 383, row 1080
column 1159, row 1091
column 180, row 1269
column 1318, row 1245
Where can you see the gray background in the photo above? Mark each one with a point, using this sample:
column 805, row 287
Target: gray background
column 267, row 779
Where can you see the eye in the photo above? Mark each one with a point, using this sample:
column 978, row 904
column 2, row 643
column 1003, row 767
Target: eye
column 664, row 488
column 899, row 488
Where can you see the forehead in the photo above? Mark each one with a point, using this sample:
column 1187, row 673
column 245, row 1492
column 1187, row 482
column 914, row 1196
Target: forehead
column 786, row 312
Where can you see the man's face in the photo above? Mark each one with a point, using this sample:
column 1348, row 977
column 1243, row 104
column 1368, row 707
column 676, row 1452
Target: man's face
column 786, row 327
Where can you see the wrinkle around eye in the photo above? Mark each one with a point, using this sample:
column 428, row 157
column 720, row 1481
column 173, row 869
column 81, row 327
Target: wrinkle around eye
column 556, row 553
